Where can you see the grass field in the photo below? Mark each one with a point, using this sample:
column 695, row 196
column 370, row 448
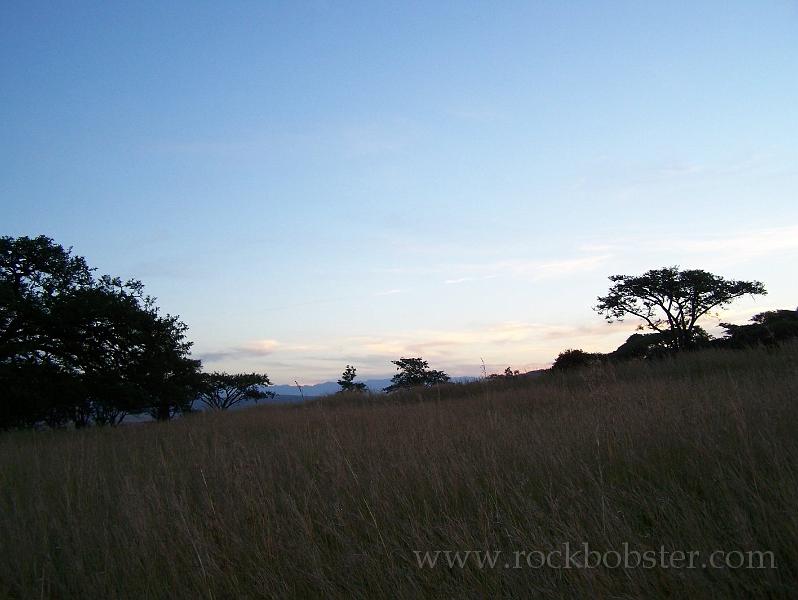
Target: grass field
column 333, row 499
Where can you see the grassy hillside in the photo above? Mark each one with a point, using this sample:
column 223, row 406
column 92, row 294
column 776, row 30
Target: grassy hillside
column 332, row 499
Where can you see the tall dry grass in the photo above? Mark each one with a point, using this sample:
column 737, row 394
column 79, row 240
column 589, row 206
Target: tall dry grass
column 331, row 499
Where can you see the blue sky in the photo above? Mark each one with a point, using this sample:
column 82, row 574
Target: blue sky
column 311, row 184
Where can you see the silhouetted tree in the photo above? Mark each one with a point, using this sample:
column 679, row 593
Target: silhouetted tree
column 574, row 358
column 414, row 372
column 656, row 345
column 641, row 345
column 767, row 328
column 508, row 373
column 347, row 381
column 83, row 349
column 220, row 391
column 671, row 301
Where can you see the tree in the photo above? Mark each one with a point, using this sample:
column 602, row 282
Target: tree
column 74, row 347
column 414, row 372
column 642, row 345
column 671, row 302
column 574, row 359
column 656, row 345
column 220, row 391
column 767, row 328
column 509, row 373
column 347, row 381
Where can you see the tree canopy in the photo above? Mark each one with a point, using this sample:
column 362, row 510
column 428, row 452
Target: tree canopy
column 221, row 391
column 671, row 301
column 767, row 328
column 80, row 348
column 348, row 383
column 574, row 358
column 414, row 372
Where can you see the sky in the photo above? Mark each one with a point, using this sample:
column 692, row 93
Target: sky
column 316, row 184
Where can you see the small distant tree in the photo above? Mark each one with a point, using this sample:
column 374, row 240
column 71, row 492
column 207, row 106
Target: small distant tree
column 508, row 373
column 574, row 359
column 414, row 372
column 347, row 381
column 220, row 391
column 671, row 301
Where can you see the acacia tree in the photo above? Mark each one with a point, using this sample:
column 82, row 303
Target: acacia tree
column 414, row 372
column 347, row 381
column 220, row 391
column 670, row 301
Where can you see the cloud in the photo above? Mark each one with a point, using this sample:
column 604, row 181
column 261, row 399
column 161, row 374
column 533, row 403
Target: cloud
column 212, row 357
column 741, row 245
column 522, row 268
column 248, row 350
column 565, row 267
column 357, row 138
column 260, row 347
column 458, row 351
column 627, row 176
column 718, row 248
column 508, row 337
column 459, row 280
column 388, row 292
column 532, row 269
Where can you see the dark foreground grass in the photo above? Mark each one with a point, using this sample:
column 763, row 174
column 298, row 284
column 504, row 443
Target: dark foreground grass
column 331, row 500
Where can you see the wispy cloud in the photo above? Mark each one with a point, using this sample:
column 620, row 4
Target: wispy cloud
column 247, row 350
column 388, row 292
column 728, row 247
column 740, row 245
column 521, row 267
column 459, row 280
column 459, row 351
column 361, row 137
column 260, row 347
column 516, row 338
column 532, row 269
column 625, row 175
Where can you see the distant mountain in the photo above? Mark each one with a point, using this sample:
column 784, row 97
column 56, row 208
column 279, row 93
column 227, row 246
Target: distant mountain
column 289, row 394
column 325, row 388
column 331, row 387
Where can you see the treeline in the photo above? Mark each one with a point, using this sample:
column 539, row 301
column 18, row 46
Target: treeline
column 80, row 349
column 769, row 329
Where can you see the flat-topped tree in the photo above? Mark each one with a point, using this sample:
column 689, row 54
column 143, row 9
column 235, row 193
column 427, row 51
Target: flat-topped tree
column 415, row 372
column 671, row 301
column 220, row 391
